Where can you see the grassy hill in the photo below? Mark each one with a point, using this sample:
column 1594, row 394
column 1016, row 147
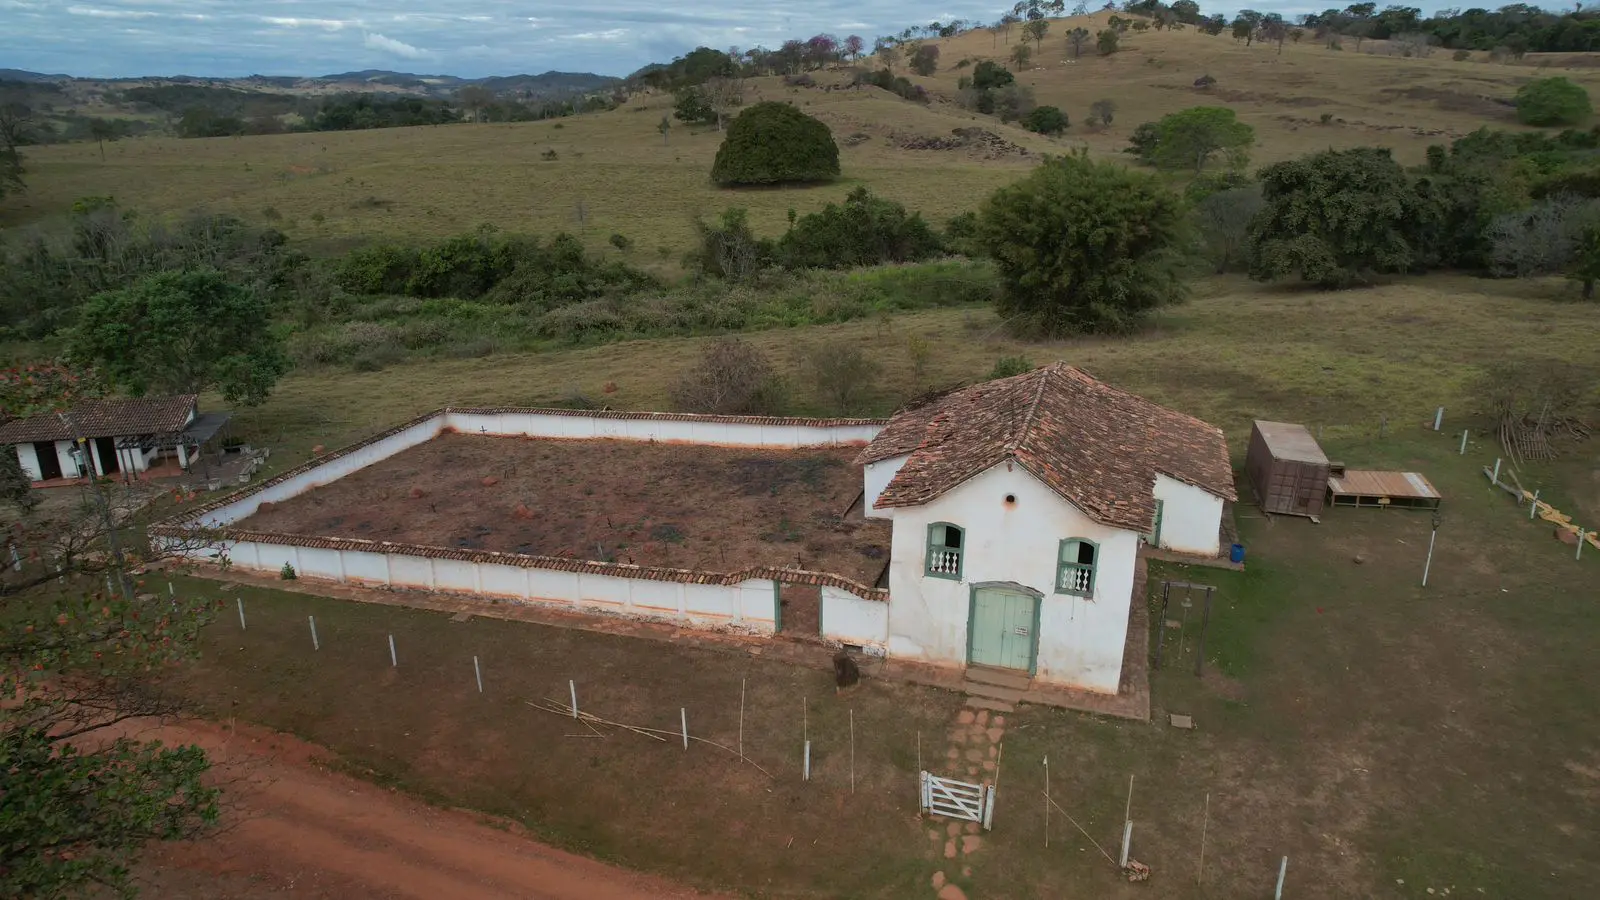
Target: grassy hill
column 612, row 172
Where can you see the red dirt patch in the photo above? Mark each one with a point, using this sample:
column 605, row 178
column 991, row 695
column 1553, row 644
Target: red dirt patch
column 715, row 509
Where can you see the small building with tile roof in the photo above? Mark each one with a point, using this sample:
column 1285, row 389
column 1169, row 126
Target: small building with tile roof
column 1020, row 506
column 111, row 437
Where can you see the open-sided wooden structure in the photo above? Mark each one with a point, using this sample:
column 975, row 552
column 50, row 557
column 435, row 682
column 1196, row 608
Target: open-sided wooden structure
column 1287, row 469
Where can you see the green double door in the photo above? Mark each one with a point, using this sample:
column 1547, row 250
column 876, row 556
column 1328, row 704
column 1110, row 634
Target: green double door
column 1004, row 628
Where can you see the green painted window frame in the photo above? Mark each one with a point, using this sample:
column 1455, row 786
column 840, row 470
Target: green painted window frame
column 1062, row 565
column 1154, row 537
column 930, row 548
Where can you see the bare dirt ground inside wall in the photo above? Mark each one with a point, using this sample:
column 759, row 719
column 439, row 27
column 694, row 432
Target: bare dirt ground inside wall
column 709, row 508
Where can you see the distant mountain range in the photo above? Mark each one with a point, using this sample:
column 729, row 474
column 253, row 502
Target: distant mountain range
column 547, row 84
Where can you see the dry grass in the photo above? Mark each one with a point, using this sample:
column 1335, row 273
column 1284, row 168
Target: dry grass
column 1240, row 350
column 440, row 180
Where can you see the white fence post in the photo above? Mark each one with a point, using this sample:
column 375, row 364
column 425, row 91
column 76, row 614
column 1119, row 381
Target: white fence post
column 1127, row 839
column 240, row 601
column 477, row 673
column 573, row 687
column 1464, row 441
column 1534, row 506
column 393, row 659
column 1438, row 419
column 1283, row 869
column 313, row 621
column 683, row 717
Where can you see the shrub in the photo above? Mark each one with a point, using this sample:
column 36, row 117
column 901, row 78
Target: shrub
column 1107, row 41
column 775, row 143
column 924, row 60
column 1105, row 109
column 732, row 378
column 1208, row 183
column 1552, row 101
column 1007, row 366
column 621, row 242
column 1540, row 240
column 1083, row 246
column 1012, row 102
column 895, row 84
column 287, row 573
column 863, row 231
column 551, row 153
column 727, row 248
column 841, row 373
column 1461, row 55
column 1045, row 120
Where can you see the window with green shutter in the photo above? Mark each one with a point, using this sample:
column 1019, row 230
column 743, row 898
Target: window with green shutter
column 944, row 550
column 1075, row 566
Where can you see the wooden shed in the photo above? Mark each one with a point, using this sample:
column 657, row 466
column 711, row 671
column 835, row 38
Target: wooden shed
column 1287, row 469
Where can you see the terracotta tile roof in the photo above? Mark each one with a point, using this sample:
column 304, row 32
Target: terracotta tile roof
column 104, row 418
column 530, row 561
column 1099, row 447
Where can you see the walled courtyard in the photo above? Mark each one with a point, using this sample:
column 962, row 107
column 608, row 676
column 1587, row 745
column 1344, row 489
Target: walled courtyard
column 706, row 508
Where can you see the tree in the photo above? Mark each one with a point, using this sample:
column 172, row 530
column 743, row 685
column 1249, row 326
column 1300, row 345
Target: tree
column 1020, row 54
column 1552, row 101
column 722, row 95
column 1223, row 220
column 1077, row 37
column 887, row 53
column 990, row 74
column 102, row 130
column 665, row 127
column 475, row 98
column 16, row 130
column 853, row 45
column 1585, row 266
column 1107, row 42
column 1542, row 239
column 692, row 105
column 775, row 143
column 1105, row 109
column 1187, row 11
column 1190, row 138
column 1335, row 218
column 1083, row 246
column 182, row 332
column 1035, row 30
column 924, row 59
column 1045, row 120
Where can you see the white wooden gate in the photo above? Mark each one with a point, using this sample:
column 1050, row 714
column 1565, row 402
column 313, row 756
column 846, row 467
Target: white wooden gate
column 958, row 799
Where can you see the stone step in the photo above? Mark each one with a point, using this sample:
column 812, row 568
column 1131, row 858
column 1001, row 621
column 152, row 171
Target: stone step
column 993, row 692
column 986, row 703
column 1006, row 678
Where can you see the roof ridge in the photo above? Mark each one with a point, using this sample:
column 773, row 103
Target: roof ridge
column 1021, row 433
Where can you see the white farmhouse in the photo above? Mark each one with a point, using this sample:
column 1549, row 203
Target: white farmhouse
column 1019, row 508
column 116, row 437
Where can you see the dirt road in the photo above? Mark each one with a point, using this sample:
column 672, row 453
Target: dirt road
column 292, row 828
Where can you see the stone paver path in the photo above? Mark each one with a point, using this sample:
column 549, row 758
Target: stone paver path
column 973, row 755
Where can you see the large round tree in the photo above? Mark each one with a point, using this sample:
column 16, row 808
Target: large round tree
column 774, row 143
column 1083, row 246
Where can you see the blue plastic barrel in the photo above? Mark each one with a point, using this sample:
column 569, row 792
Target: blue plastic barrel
column 1237, row 554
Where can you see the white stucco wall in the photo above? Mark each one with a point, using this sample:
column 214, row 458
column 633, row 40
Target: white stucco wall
column 1190, row 518
column 854, row 620
column 876, row 476
column 332, row 470
column 747, row 606
column 1080, row 639
column 712, row 431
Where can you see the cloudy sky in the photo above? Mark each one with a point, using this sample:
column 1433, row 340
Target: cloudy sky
column 457, row 37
